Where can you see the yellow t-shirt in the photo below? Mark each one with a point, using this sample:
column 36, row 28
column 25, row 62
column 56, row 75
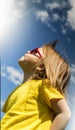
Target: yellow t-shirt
column 28, row 107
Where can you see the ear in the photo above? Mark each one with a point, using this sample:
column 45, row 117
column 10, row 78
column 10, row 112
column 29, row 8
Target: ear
column 54, row 43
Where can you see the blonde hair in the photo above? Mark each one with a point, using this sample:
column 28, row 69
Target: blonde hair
column 53, row 67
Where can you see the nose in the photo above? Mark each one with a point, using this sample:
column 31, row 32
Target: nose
column 27, row 52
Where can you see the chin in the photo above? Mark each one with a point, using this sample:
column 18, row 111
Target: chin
column 21, row 59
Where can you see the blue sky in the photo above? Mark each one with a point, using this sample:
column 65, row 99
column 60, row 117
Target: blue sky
column 26, row 24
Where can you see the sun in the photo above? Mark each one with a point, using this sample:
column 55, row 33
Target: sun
column 11, row 14
column 11, row 11
column 6, row 8
column 8, row 16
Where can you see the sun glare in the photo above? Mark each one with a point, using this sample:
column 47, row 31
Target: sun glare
column 8, row 16
column 11, row 14
column 6, row 8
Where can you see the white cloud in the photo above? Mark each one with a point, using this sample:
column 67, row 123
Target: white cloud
column 48, row 15
column 71, row 14
column 63, row 29
column 19, row 7
column 53, row 5
column 42, row 15
column 36, row 1
column 71, row 89
column 3, row 74
column 72, row 124
column 73, row 73
column 70, row 19
column 56, row 5
column 72, row 96
column 12, row 74
column 73, row 68
column 55, row 17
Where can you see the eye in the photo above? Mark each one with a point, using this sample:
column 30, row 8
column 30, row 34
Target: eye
column 35, row 54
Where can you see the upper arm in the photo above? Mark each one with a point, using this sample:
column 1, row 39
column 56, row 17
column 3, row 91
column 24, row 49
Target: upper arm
column 59, row 106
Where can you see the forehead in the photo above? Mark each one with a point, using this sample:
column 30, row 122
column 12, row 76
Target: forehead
column 40, row 49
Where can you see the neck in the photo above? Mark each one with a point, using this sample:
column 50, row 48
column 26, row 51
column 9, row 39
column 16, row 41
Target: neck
column 27, row 76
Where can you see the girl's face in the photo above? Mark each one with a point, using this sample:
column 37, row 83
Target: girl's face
column 31, row 57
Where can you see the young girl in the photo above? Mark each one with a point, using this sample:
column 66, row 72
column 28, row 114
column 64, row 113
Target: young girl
column 39, row 102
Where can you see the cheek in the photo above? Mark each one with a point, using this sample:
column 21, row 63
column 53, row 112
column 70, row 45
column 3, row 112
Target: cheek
column 30, row 59
column 33, row 60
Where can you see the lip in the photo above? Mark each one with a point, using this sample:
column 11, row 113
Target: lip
column 25, row 54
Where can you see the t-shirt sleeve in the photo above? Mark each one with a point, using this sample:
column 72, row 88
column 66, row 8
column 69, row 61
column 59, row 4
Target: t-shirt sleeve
column 50, row 93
